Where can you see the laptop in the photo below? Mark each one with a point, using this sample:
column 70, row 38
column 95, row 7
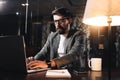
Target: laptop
column 13, row 55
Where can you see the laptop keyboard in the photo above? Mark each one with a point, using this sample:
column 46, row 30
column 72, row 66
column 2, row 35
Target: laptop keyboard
column 37, row 70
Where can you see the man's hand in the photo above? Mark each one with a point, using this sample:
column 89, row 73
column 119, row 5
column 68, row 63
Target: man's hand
column 37, row 64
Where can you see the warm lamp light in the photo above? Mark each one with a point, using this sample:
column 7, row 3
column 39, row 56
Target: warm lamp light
column 103, row 13
column 97, row 12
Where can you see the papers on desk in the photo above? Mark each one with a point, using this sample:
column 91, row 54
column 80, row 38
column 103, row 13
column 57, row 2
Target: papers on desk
column 58, row 74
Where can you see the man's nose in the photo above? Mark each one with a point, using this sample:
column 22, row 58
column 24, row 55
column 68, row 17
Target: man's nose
column 57, row 24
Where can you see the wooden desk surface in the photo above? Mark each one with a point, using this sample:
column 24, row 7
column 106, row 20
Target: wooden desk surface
column 91, row 75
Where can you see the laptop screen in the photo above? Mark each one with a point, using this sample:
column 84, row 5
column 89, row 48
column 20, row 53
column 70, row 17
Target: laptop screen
column 12, row 54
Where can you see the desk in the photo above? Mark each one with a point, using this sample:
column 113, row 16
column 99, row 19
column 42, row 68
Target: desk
column 91, row 75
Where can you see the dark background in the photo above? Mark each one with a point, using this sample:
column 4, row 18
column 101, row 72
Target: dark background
column 14, row 16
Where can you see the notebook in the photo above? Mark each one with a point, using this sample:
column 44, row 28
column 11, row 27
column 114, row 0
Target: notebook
column 13, row 55
column 62, row 73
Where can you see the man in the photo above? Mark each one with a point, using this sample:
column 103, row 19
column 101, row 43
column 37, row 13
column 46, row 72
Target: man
column 64, row 48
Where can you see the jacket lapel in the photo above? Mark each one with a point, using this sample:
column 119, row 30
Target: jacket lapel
column 67, row 45
column 56, row 41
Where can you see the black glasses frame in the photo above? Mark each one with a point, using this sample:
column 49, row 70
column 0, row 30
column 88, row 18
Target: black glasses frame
column 60, row 20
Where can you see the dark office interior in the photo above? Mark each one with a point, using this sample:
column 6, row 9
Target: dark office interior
column 33, row 20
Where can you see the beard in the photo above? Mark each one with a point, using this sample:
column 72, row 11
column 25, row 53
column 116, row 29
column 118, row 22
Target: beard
column 61, row 30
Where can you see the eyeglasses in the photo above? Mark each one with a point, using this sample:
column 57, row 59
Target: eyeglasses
column 60, row 20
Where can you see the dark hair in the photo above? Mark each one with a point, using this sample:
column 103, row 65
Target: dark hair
column 62, row 11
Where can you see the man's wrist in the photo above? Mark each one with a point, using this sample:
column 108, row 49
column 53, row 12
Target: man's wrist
column 53, row 64
column 49, row 64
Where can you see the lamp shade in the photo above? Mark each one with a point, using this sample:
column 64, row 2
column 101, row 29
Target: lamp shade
column 97, row 12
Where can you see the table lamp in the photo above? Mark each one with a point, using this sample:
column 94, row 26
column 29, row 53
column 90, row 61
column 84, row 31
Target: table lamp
column 103, row 13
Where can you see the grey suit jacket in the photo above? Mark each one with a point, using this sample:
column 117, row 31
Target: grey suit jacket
column 74, row 49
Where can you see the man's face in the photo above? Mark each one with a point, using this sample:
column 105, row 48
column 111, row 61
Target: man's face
column 62, row 24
